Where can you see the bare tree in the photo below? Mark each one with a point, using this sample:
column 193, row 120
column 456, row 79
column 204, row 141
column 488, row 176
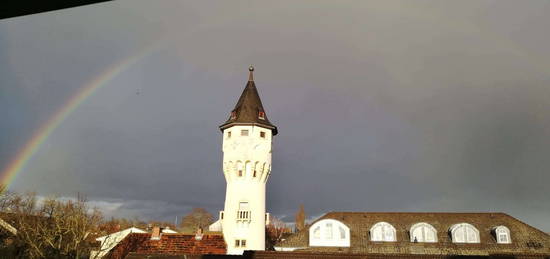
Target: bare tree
column 274, row 232
column 198, row 217
column 53, row 228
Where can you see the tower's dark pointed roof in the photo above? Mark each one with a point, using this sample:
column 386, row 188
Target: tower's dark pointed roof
column 249, row 109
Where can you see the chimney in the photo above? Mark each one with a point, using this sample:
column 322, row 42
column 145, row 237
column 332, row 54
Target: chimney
column 198, row 235
column 156, row 233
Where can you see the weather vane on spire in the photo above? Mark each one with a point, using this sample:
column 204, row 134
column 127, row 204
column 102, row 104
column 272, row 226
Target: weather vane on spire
column 251, row 75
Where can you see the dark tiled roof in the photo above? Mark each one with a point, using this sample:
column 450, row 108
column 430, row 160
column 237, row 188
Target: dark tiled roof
column 162, row 256
column 525, row 239
column 248, row 108
column 169, row 244
column 315, row 255
column 332, row 255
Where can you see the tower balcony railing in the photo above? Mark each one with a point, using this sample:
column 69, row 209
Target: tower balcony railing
column 244, row 215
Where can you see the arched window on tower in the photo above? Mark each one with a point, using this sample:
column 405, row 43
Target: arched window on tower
column 502, row 235
column 256, row 168
column 329, row 232
column 464, row 233
column 382, row 231
column 423, row 232
column 239, row 169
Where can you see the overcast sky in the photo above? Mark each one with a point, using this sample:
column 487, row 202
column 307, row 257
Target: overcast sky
column 381, row 105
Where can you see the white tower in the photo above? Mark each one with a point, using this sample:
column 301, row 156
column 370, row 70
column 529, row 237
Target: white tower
column 247, row 139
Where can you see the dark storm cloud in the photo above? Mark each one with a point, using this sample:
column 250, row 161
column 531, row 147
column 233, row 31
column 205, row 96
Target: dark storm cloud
column 391, row 106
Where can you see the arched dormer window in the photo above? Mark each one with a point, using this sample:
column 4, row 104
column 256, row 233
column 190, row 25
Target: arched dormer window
column 329, row 232
column 464, row 233
column 423, row 232
column 382, row 231
column 502, row 235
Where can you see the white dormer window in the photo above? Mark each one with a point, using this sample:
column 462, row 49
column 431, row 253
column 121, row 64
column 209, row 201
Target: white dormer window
column 423, row 233
column 502, row 235
column 261, row 115
column 382, row 231
column 464, row 233
column 233, row 115
column 329, row 232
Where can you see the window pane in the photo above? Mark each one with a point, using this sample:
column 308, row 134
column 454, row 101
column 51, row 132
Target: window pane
column 377, row 234
column 503, row 238
column 471, row 235
column 342, row 233
column 317, row 232
column 328, row 231
column 417, row 233
column 244, row 132
column 459, row 234
column 429, row 235
column 388, row 234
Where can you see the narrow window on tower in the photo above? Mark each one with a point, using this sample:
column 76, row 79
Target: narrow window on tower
column 261, row 115
column 239, row 168
column 229, row 134
column 262, row 134
column 254, row 174
column 244, row 132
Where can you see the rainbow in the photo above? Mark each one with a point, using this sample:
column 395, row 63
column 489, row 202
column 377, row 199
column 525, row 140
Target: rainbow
column 23, row 156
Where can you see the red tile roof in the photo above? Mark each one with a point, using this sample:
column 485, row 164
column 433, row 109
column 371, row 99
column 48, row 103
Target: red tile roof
column 169, row 244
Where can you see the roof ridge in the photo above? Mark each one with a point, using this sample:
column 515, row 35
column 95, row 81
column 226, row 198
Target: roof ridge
column 411, row 212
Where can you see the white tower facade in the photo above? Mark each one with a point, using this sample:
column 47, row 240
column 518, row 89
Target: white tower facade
column 247, row 142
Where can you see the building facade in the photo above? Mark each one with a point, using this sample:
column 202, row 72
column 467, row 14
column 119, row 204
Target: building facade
column 247, row 144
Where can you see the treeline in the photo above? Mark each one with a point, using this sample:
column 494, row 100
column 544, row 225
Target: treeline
column 34, row 227
column 54, row 227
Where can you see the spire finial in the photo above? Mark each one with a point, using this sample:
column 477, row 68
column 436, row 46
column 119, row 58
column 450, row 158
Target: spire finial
column 251, row 74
